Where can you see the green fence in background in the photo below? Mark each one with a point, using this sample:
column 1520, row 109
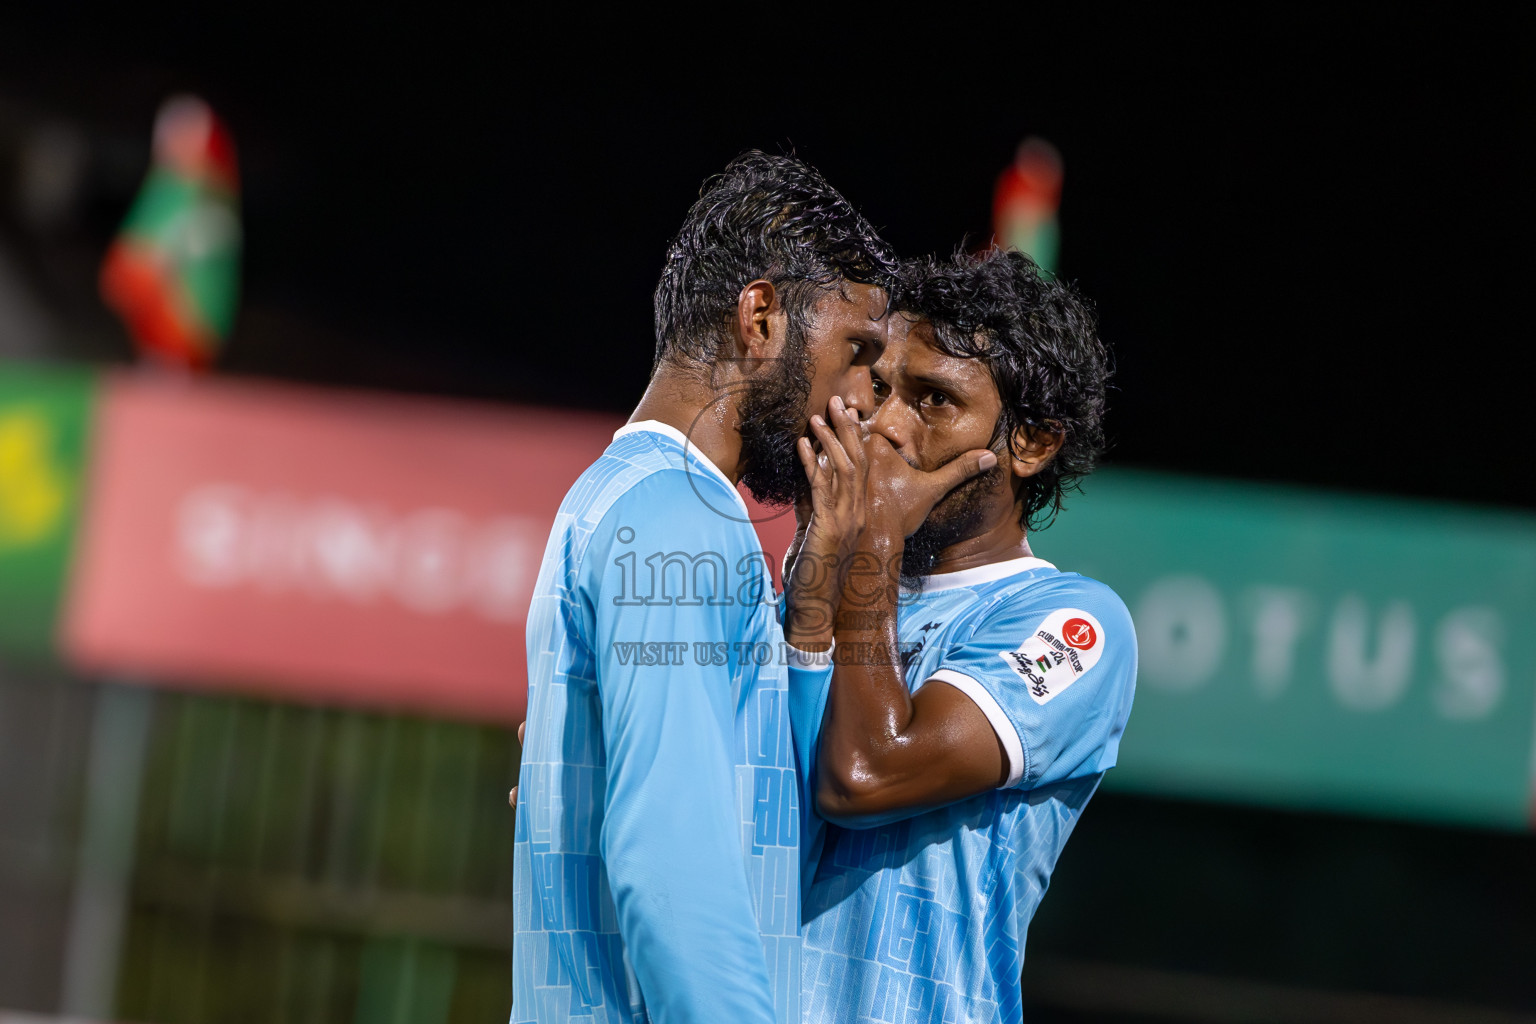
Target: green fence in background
column 1318, row 650
column 301, row 864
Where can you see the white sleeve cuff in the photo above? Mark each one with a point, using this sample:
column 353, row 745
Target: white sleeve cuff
column 1006, row 733
column 809, row 659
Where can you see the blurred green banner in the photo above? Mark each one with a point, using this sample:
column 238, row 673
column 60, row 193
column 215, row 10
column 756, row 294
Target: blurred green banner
column 1318, row 650
column 44, row 426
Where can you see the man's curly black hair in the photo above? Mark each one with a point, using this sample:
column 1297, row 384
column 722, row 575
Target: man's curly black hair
column 771, row 217
column 1040, row 341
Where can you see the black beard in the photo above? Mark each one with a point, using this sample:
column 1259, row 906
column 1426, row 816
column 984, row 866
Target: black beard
column 954, row 518
column 772, row 418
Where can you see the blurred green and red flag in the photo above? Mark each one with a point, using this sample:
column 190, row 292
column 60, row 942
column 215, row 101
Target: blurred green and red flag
column 173, row 272
column 1025, row 202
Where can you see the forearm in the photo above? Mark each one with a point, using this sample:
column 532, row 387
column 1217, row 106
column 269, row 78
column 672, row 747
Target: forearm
column 883, row 749
column 812, row 592
column 687, row 923
column 814, row 586
column 674, row 866
column 865, row 746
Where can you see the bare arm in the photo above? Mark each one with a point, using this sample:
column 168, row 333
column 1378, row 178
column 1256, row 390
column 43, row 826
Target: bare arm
column 883, row 748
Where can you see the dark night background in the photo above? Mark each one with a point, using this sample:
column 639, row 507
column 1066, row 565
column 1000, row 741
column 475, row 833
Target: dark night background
column 1306, row 233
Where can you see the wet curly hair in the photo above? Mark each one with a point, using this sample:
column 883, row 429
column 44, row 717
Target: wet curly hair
column 1040, row 342
column 770, row 217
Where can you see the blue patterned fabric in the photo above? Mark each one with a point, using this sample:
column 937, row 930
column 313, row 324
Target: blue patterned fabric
column 923, row 918
column 658, row 816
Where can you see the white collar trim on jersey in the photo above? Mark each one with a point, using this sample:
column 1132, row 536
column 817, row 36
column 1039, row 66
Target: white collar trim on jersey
column 658, row 427
column 982, row 574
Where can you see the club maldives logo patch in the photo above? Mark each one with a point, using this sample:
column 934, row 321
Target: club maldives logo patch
column 1064, row 647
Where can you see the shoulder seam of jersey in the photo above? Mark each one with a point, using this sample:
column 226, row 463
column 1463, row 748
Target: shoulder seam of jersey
column 1013, row 743
column 976, row 614
column 681, row 440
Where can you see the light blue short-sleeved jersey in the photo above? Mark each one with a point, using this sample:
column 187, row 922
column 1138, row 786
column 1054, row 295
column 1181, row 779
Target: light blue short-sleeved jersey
column 923, row 919
column 658, row 815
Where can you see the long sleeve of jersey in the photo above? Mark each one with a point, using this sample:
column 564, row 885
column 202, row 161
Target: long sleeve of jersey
column 659, row 586
column 809, row 682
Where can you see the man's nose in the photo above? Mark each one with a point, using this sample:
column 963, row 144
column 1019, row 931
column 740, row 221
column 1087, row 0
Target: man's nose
column 892, row 422
column 858, row 391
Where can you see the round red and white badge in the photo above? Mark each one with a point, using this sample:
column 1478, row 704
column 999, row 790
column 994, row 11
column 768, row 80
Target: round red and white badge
column 1079, row 633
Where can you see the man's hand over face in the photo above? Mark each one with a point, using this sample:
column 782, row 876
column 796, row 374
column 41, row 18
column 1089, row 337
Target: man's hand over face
column 837, row 473
column 828, row 526
column 900, row 496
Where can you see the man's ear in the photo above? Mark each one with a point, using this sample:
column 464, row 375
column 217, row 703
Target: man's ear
column 758, row 321
column 1032, row 448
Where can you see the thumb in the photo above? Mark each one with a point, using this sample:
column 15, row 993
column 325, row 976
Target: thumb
column 961, row 468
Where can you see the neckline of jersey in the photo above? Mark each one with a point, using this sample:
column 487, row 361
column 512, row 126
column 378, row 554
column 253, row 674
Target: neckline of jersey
column 982, row 574
column 668, row 430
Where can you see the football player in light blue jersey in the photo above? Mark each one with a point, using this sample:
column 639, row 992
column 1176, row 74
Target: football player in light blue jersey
column 656, row 857
column 972, row 710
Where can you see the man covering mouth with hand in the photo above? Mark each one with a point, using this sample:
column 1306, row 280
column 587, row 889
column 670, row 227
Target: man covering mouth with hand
column 979, row 693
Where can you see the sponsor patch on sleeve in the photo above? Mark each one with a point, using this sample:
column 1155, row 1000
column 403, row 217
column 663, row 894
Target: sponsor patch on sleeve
column 1064, row 647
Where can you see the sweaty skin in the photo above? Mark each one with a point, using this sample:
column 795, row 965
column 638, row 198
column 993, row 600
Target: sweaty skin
column 845, row 335
column 844, row 338
column 884, row 748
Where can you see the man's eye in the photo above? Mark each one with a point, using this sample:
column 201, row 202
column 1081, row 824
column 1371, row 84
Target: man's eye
column 881, row 388
column 937, row 398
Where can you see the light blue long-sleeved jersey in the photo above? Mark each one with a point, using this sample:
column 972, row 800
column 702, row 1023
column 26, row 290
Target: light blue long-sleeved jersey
column 658, row 816
column 921, row 917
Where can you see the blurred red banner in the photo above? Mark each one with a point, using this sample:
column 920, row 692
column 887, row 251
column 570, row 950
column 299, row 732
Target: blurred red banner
column 329, row 547
column 319, row 546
